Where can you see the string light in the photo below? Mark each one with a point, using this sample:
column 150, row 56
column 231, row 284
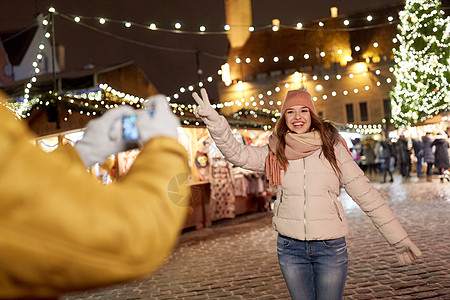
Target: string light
column 247, row 60
column 227, row 103
column 247, row 101
column 225, row 28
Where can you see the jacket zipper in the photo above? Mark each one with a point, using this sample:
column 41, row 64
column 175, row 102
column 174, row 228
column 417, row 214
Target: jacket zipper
column 304, row 195
column 281, row 200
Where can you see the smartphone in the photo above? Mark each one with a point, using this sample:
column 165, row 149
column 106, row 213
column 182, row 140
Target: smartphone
column 130, row 133
column 151, row 108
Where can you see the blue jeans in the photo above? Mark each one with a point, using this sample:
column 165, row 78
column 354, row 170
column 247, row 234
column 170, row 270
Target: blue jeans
column 419, row 165
column 313, row 270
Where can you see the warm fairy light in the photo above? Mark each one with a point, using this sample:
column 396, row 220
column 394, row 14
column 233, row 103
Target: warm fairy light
column 226, row 77
column 240, row 86
column 297, row 77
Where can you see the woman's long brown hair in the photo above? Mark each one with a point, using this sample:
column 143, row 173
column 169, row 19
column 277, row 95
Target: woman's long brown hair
column 328, row 134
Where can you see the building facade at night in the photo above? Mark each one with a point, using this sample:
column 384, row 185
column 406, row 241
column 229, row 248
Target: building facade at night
column 344, row 62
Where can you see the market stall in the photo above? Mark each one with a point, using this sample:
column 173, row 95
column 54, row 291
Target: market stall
column 219, row 189
column 224, row 190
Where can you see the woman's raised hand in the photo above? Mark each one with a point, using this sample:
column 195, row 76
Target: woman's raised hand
column 204, row 109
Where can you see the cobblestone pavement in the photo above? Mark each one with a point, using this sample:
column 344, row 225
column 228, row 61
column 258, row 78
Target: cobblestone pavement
column 236, row 259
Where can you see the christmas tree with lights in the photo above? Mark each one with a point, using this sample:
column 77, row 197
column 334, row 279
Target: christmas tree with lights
column 422, row 63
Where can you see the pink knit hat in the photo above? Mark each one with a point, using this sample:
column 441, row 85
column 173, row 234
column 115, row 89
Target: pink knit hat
column 297, row 97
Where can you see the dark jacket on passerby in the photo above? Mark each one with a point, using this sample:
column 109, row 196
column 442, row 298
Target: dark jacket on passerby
column 386, row 154
column 428, row 155
column 369, row 153
column 417, row 147
column 441, row 159
column 394, row 152
column 403, row 154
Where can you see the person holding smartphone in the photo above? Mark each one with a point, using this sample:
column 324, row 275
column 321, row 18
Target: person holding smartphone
column 62, row 231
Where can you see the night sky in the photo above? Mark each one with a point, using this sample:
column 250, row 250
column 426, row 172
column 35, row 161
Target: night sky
column 171, row 68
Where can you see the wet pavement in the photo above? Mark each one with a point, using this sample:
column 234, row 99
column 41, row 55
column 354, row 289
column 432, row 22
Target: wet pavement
column 236, row 258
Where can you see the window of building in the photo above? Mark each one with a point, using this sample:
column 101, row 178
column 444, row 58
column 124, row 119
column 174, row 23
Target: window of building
column 349, row 111
column 363, row 111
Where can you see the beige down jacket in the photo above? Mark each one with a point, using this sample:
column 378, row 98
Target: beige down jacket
column 307, row 205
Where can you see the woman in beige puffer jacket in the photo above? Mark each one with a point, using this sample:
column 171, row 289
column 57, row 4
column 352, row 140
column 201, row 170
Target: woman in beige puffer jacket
column 307, row 162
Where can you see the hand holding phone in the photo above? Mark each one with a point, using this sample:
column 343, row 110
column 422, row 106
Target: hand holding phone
column 130, row 133
column 149, row 105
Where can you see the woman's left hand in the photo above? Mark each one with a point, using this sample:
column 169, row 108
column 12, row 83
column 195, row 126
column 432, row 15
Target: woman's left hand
column 407, row 252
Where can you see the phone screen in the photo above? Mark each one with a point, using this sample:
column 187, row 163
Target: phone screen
column 151, row 108
column 130, row 133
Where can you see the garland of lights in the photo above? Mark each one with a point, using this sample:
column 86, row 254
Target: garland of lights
column 422, row 69
column 291, row 58
column 22, row 109
column 97, row 101
column 254, row 100
column 177, row 27
column 305, row 56
column 37, row 61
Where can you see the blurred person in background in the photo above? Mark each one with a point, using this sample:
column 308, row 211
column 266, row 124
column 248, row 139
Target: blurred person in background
column 62, row 231
column 441, row 159
column 428, row 154
column 404, row 156
column 387, row 160
column 369, row 154
column 418, row 153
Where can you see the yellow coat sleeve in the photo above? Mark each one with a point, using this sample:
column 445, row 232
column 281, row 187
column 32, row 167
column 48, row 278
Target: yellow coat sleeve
column 62, row 231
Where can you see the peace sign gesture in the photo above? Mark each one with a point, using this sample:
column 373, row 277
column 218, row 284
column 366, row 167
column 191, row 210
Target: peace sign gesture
column 204, row 109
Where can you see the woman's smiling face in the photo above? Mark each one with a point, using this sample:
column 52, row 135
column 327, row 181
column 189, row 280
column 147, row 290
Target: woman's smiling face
column 298, row 119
